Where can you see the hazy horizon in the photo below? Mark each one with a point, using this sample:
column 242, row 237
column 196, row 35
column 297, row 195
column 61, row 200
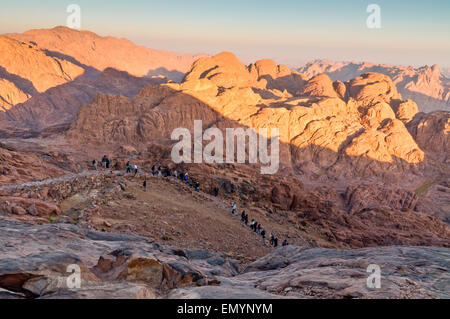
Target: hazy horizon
column 290, row 32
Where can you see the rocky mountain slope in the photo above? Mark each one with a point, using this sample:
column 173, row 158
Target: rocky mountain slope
column 324, row 126
column 68, row 62
column 58, row 106
column 427, row 86
column 339, row 133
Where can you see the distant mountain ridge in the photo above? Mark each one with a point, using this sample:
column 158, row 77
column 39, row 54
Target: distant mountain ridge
column 38, row 60
column 427, row 86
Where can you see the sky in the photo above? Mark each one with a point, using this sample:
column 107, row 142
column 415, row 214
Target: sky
column 290, row 31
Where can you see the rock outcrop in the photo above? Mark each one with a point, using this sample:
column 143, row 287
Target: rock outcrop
column 118, row 266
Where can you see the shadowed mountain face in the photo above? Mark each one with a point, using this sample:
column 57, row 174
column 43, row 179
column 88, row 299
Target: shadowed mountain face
column 427, row 86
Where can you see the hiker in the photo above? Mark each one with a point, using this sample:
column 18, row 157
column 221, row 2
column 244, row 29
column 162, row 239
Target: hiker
column 128, row 166
column 104, row 161
column 186, row 177
column 94, row 165
column 197, row 186
column 243, row 216
column 216, row 191
column 272, row 239
column 233, row 208
column 153, row 170
column 258, row 229
column 175, row 173
column 252, row 223
column 145, row 183
column 263, row 234
column 159, row 171
column 135, row 169
column 285, row 243
column 246, row 219
column 255, row 226
column 275, row 242
column 190, row 182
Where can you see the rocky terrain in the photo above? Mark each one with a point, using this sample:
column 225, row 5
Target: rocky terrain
column 364, row 175
column 428, row 86
column 125, row 266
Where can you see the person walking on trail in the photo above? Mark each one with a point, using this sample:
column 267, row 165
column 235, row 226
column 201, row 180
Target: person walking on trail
column 246, row 219
column 197, row 186
column 186, row 177
column 275, row 242
column 175, row 173
column 216, row 191
column 153, row 170
column 285, row 243
column 243, row 216
column 272, row 239
column 258, row 229
column 128, row 167
column 105, row 161
column 263, row 234
column 233, row 208
column 145, row 184
column 252, row 223
column 135, row 169
column 255, row 226
column 94, row 165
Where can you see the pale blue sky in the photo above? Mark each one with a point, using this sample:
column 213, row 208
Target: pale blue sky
column 290, row 31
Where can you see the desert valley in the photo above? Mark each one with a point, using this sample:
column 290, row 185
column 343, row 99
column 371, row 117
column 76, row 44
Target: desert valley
column 363, row 178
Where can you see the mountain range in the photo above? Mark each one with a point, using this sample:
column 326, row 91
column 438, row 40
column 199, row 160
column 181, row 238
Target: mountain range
column 428, row 86
column 364, row 162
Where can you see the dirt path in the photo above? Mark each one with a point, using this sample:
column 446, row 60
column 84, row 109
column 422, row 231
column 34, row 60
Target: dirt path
column 48, row 181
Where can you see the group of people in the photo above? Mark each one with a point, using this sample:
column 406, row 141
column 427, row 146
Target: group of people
column 189, row 181
column 131, row 168
column 106, row 162
column 164, row 171
column 257, row 227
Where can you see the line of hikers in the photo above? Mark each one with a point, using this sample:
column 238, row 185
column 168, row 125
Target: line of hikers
column 257, row 227
column 106, row 162
column 164, row 171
